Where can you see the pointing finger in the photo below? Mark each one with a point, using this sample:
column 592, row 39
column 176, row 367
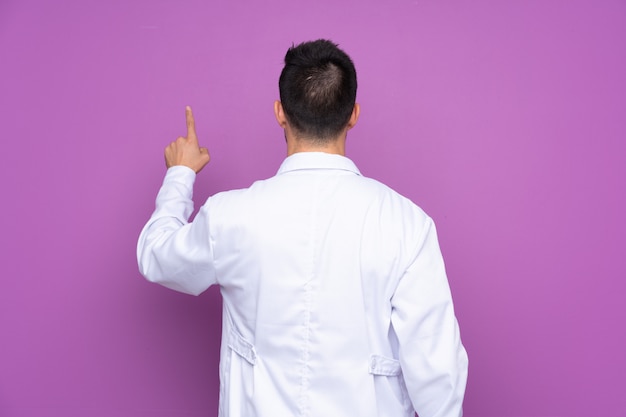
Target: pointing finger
column 191, row 124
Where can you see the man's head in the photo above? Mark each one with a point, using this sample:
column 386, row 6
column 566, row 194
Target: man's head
column 318, row 90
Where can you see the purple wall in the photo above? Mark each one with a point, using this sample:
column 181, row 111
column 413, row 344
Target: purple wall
column 506, row 121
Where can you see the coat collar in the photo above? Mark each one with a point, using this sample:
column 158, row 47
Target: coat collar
column 317, row 160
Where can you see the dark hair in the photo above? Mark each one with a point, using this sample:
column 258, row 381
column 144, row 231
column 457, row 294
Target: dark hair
column 318, row 89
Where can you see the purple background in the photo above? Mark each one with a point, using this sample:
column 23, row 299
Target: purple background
column 505, row 121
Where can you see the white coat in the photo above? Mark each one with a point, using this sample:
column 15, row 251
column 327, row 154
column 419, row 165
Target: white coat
column 336, row 300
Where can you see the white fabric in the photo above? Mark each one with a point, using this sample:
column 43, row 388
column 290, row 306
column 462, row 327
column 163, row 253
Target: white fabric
column 336, row 301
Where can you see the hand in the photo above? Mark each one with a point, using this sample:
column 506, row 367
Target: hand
column 186, row 151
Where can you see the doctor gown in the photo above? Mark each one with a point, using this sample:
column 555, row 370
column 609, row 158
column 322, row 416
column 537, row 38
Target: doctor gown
column 335, row 296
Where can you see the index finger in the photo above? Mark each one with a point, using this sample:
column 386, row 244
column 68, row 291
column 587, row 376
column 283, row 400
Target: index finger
column 191, row 124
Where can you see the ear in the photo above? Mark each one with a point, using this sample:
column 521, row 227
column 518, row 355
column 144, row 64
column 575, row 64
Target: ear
column 354, row 117
column 280, row 114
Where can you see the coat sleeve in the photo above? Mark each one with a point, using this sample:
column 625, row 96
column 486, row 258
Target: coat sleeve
column 171, row 251
column 433, row 360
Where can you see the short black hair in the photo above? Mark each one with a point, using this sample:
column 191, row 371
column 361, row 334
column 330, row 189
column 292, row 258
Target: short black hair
column 318, row 89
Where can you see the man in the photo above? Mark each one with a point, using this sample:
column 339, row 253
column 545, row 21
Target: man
column 336, row 301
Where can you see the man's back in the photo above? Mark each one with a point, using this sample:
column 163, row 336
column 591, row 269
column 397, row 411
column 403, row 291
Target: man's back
column 309, row 262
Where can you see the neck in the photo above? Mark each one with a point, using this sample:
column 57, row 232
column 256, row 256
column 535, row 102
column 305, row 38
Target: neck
column 337, row 147
column 297, row 144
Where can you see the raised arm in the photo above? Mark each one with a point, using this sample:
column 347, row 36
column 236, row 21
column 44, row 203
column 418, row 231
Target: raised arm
column 171, row 251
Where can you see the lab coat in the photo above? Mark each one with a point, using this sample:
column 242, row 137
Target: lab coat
column 335, row 296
